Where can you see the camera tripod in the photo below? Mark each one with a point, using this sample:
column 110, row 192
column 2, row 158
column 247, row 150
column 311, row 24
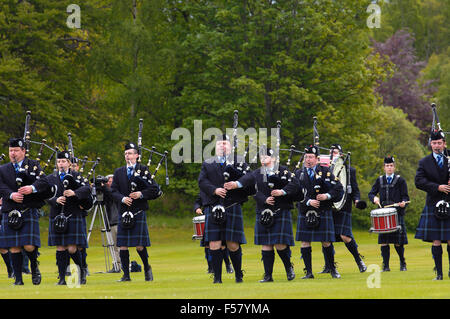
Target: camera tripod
column 107, row 240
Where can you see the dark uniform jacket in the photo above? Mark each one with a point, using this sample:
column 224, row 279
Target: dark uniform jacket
column 75, row 205
column 8, row 185
column 211, row 177
column 354, row 195
column 292, row 189
column 198, row 202
column 121, row 187
column 429, row 176
column 398, row 192
column 325, row 182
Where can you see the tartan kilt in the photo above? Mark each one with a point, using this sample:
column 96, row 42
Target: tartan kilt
column 430, row 228
column 279, row 233
column 342, row 224
column 324, row 232
column 399, row 237
column 137, row 236
column 27, row 235
column 75, row 235
column 231, row 230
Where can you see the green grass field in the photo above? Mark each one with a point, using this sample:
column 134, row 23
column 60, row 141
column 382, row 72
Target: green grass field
column 179, row 269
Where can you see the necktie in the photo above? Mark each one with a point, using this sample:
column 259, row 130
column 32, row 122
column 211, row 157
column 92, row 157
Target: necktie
column 440, row 162
column 16, row 167
column 389, row 179
column 61, row 176
column 130, row 171
column 311, row 174
column 222, row 160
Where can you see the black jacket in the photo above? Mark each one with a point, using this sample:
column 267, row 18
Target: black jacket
column 121, row 187
column 398, row 192
column 211, row 177
column 325, row 182
column 429, row 176
column 292, row 189
column 75, row 205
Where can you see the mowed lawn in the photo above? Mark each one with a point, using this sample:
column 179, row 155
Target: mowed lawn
column 179, row 270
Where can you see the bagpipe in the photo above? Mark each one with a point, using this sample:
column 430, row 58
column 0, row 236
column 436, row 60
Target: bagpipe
column 442, row 210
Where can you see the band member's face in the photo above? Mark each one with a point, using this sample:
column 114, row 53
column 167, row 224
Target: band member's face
column 75, row 167
column 131, row 156
column 389, row 168
column 109, row 182
column 223, row 148
column 310, row 160
column 16, row 154
column 335, row 153
column 266, row 160
column 63, row 164
column 438, row 146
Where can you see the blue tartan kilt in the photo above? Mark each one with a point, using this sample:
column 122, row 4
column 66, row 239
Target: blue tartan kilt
column 27, row 235
column 430, row 228
column 231, row 230
column 75, row 235
column 137, row 236
column 342, row 224
column 279, row 233
column 399, row 237
column 324, row 232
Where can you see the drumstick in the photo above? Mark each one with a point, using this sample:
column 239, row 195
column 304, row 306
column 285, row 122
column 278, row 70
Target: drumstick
column 396, row 204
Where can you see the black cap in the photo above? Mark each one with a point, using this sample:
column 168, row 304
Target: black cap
column 312, row 149
column 131, row 146
column 336, row 146
column 74, row 160
column 63, row 155
column 389, row 159
column 266, row 151
column 16, row 142
column 437, row 135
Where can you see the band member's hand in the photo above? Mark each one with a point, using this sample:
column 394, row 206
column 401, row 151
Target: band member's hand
column 61, row 200
column 276, row 192
column 376, row 201
column 321, row 197
column 222, row 192
column 314, row 203
column 198, row 211
column 402, row 204
column 230, row 185
column 25, row 190
column 17, row 197
column 270, row 200
column 68, row 193
column 444, row 188
column 136, row 195
column 127, row 201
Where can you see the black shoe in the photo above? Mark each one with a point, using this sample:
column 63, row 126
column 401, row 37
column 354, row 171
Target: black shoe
column 267, row 278
column 18, row 283
column 438, row 277
column 335, row 273
column 112, row 271
column 36, row 276
column 149, row 274
column 308, row 275
column 124, row 278
column 217, row 281
column 61, row 282
column 362, row 266
column 26, row 271
column 10, row 273
column 210, row 270
column 403, row 266
column 385, row 268
column 290, row 273
column 229, row 269
column 239, row 276
column 83, row 273
column 326, row 270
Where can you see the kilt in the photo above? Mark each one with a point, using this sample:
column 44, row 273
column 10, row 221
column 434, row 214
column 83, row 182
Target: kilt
column 27, row 235
column 75, row 235
column 430, row 228
column 324, row 232
column 342, row 224
column 231, row 230
column 279, row 233
column 137, row 236
column 398, row 237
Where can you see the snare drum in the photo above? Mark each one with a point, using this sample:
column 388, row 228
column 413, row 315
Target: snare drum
column 384, row 220
column 199, row 226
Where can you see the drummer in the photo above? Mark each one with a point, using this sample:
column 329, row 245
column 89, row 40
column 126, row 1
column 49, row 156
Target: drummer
column 392, row 190
column 198, row 209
